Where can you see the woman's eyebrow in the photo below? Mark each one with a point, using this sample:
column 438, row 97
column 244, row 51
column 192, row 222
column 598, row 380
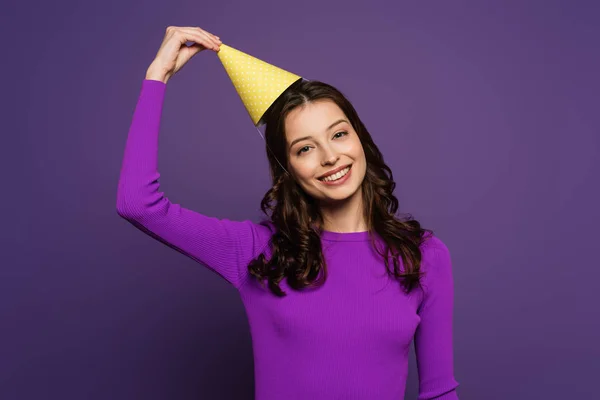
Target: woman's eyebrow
column 339, row 121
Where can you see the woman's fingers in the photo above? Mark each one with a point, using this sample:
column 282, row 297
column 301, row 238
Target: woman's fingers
column 200, row 36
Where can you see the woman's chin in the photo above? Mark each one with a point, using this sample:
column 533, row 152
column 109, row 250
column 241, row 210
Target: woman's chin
column 337, row 196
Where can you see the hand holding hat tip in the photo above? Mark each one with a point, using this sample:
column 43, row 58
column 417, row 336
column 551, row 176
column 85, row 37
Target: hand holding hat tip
column 173, row 53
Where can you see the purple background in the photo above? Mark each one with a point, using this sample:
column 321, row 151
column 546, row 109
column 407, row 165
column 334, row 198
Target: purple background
column 486, row 113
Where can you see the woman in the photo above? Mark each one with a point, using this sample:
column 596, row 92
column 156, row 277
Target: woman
column 334, row 285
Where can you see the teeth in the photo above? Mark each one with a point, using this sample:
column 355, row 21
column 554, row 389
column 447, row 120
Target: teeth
column 336, row 176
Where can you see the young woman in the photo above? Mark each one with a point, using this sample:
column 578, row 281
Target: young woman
column 335, row 286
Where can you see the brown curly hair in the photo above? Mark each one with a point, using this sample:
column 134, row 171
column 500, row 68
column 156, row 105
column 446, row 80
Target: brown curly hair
column 296, row 245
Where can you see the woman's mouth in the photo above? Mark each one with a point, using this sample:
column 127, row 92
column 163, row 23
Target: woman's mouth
column 337, row 178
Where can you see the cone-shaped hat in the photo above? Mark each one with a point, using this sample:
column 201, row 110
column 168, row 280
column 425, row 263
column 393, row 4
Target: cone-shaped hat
column 258, row 83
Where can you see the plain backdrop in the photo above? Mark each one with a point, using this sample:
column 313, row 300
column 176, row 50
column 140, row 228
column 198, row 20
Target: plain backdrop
column 487, row 113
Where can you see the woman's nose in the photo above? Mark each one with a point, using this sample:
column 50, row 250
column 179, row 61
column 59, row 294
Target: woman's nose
column 329, row 157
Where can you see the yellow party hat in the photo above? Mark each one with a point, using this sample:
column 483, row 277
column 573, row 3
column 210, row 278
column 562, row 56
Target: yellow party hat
column 258, row 83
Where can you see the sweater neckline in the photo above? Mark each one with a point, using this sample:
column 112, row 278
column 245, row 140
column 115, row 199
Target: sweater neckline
column 345, row 236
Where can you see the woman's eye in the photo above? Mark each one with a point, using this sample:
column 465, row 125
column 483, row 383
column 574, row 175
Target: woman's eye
column 303, row 149
column 340, row 134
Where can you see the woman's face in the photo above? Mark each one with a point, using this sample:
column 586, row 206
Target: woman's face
column 325, row 154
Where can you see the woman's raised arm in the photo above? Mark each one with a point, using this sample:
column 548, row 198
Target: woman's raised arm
column 225, row 246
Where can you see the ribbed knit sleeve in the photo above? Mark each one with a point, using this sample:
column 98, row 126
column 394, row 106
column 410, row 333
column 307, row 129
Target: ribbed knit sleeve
column 224, row 246
column 433, row 338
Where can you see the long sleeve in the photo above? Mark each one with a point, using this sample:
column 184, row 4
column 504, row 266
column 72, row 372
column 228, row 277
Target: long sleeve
column 224, row 246
column 433, row 338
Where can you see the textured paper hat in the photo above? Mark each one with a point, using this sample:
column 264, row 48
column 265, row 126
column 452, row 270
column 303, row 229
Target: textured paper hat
column 258, row 83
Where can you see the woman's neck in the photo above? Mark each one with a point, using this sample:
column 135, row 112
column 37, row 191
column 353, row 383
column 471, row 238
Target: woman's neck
column 345, row 216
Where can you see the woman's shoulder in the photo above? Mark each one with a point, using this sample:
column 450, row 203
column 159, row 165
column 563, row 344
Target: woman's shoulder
column 432, row 242
column 434, row 253
column 265, row 229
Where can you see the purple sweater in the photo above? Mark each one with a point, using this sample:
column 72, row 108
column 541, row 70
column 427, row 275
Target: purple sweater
column 348, row 339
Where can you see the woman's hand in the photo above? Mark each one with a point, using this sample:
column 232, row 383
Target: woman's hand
column 174, row 53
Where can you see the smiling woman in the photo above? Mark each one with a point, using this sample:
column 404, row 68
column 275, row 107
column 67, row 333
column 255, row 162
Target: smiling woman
column 337, row 318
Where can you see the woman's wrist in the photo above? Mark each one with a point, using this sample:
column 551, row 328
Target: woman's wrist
column 156, row 74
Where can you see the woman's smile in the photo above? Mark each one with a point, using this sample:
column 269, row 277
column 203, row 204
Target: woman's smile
column 338, row 178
